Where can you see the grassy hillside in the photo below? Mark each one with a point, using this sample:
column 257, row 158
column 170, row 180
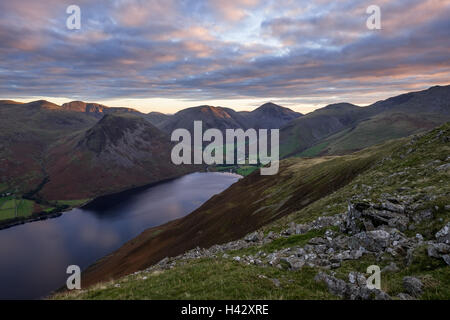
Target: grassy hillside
column 303, row 209
column 344, row 128
column 249, row 204
column 55, row 157
column 307, row 131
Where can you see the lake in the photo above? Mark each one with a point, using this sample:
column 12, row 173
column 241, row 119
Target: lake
column 34, row 256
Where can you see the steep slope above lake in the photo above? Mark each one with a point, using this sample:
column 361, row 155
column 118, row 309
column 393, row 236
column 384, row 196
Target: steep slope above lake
column 395, row 215
column 249, row 204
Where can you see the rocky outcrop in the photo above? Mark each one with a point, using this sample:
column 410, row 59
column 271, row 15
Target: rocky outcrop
column 443, row 235
column 441, row 248
column 355, row 289
column 366, row 228
column 368, row 216
column 413, row 286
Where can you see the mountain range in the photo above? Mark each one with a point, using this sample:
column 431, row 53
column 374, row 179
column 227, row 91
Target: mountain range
column 342, row 128
column 53, row 154
column 267, row 116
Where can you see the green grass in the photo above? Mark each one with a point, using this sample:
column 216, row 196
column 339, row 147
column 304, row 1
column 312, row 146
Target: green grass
column 3, row 187
column 25, row 208
column 434, row 273
column 243, row 170
column 6, row 214
column 9, row 205
column 212, row 279
column 313, row 151
column 72, row 203
column 246, row 170
column 377, row 130
column 376, row 167
column 281, row 243
column 7, row 208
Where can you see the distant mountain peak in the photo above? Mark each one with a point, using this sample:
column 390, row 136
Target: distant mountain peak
column 274, row 109
column 95, row 109
column 44, row 104
column 270, row 105
column 82, row 106
column 206, row 110
column 2, row 102
column 340, row 105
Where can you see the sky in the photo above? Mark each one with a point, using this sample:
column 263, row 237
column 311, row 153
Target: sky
column 167, row 55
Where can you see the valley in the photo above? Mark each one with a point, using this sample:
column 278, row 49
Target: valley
column 218, row 158
column 335, row 156
column 386, row 205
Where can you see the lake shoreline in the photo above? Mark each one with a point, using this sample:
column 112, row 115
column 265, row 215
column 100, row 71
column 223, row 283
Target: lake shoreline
column 85, row 236
column 40, row 216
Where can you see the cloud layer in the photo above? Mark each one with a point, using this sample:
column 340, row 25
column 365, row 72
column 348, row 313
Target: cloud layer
column 290, row 50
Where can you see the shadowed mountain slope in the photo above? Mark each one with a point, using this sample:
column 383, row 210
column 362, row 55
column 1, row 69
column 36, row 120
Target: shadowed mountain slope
column 343, row 128
column 26, row 131
column 121, row 151
column 49, row 152
column 156, row 118
column 327, row 219
column 247, row 205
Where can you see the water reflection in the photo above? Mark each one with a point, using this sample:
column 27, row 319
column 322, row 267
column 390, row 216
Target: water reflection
column 34, row 256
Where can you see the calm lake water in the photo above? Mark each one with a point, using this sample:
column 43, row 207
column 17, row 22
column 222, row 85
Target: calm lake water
column 34, row 256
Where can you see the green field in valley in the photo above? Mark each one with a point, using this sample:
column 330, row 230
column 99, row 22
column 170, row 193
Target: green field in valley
column 11, row 208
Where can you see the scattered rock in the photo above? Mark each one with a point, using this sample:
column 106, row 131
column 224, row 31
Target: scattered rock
column 276, row 282
column 354, row 291
column 295, row 263
column 423, row 215
column 366, row 228
column 270, row 235
column 368, row 217
column 376, row 240
column 413, row 286
column 392, row 267
column 389, row 206
column 357, row 278
column 164, row 261
column 405, row 296
column 436, row 250
column 335, row 286
column 254, row 237
column 443, row 167
column 443, row 235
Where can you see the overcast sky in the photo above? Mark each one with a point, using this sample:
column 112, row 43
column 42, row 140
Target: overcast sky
column 167, row 55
